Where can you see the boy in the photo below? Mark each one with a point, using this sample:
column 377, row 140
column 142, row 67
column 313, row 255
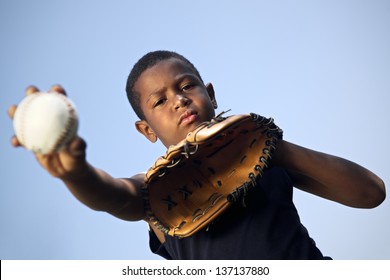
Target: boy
column 168, row 95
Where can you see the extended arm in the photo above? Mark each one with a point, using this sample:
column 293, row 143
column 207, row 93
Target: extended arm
column 93, row 187
column 100, row 191
column 330, row 177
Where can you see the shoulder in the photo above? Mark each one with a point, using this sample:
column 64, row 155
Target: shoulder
column 139, row 178
column 131, row 199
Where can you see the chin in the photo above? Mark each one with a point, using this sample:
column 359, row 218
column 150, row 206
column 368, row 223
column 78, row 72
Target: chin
column 192, row 126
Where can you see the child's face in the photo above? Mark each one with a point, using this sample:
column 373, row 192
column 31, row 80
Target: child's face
column 174, row 101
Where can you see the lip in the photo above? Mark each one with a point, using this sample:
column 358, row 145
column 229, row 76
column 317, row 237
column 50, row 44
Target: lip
column 187, row 117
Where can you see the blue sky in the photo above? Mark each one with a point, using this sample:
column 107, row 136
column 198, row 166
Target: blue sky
column 320, row 68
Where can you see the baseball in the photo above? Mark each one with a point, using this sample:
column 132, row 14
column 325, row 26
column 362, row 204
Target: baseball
column 45, row 122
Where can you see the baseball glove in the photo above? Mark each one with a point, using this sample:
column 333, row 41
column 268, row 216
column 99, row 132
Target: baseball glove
column 213, row 167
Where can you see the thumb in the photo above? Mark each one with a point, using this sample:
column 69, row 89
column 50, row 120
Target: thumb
column 77, row 148
column 72, row 160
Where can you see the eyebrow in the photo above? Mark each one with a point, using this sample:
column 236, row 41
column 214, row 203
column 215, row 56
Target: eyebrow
column 178, row 79
column 181, row 77
column 156, row 92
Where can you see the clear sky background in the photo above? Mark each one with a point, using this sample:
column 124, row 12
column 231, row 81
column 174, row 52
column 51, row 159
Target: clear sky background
column 320, row 68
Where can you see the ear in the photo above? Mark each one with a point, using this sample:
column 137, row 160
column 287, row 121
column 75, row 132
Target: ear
column 210, row 91
column 144, row 128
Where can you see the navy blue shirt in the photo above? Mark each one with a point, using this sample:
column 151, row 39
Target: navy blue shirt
column 268, row 227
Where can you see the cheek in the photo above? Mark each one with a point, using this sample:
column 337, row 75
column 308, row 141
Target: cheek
column 206, row 101
column 207, row 106
column 162, row 126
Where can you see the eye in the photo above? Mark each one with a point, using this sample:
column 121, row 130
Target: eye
column 159, row 102
column 187, row 87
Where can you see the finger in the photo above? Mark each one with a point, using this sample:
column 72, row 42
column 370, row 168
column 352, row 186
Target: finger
column 51, row 163
column 11, row 111
column 15, row 142
column 31, row 90
column 66, row 163
column 58, row 88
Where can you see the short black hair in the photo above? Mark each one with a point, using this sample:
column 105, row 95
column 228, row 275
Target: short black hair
column 149, row 60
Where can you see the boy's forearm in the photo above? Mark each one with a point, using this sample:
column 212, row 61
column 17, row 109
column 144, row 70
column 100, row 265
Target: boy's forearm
column 331, row 177
column 100, row 191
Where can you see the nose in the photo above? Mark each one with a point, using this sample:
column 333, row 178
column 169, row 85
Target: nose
column 181, row 101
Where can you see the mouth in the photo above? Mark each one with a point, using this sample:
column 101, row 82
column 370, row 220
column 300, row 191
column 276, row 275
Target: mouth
column 188, row 117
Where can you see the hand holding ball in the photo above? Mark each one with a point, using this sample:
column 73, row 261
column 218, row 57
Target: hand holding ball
column 45, row 122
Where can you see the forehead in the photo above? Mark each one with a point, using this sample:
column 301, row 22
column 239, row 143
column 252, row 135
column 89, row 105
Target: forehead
column 160, row 74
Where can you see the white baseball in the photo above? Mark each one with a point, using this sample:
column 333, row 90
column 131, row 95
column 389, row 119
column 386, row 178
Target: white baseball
column 45, row 122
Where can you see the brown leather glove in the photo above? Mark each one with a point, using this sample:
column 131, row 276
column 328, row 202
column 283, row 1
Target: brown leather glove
column 213, row 167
